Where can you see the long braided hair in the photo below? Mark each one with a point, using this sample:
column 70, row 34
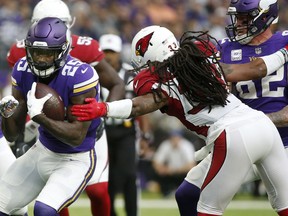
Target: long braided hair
column 196, row 69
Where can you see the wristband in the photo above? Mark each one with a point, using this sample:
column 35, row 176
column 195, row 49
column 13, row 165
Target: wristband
column 276, row 60
column 119, row 109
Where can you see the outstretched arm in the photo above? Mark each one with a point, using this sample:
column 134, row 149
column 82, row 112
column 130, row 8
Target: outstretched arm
column 241, row 72
column 256, row 69
column 126, row 108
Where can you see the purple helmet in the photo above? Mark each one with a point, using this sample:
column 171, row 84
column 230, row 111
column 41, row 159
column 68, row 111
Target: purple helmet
column 260, row 15
column 47, row 45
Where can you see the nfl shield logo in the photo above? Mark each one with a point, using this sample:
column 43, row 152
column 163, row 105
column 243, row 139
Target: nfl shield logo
column 258, row 50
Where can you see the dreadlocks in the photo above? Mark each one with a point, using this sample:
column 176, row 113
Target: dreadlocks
column 198, row 75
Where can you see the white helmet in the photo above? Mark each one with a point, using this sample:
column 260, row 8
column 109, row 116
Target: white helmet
column 52, row 8
column 153, row 43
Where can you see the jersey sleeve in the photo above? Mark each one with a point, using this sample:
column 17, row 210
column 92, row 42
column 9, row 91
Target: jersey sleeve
column 19, row 68
column 22, row 77
column 85, row 79
column 16, row 52
column 143, row 82
column 86, row 49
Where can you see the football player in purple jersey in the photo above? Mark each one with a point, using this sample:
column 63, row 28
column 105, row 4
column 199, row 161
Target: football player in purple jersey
column 249, row 37
column 187, row 82
column 57, row 168
column 86, row 50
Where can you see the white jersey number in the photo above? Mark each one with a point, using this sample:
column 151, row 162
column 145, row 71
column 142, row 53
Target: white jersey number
column 84, row 41
column 265, row 90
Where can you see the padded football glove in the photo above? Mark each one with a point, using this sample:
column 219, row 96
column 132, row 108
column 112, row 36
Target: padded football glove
column 8, row 105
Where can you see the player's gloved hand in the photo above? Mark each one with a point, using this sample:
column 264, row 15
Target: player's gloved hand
column 8, row 105
column 86, row 112
column 34, row 105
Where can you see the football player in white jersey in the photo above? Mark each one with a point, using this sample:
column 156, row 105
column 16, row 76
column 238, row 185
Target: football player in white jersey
column 186, row 81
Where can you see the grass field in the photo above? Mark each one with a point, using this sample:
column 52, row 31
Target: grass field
column 174, row 212
column 153, row 205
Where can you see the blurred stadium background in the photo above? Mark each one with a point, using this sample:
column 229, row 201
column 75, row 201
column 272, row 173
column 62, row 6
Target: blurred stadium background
column 126, row 17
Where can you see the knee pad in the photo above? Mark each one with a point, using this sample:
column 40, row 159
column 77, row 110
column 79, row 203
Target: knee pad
column 41, row 209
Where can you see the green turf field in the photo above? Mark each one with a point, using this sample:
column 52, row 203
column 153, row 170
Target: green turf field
column 154, row 205
column 80, row 211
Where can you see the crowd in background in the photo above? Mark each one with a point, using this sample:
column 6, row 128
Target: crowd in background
column 125, row 18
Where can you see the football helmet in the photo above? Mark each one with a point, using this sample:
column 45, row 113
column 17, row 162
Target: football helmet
column 153, row 43
column 52, row 8
column 258, row 15
column 47, row 45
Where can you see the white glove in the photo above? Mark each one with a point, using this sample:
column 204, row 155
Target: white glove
column 34, row 105
column 8, row 105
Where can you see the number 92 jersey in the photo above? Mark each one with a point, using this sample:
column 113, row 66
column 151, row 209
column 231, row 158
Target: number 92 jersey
column 73, row 79
column 268, row 94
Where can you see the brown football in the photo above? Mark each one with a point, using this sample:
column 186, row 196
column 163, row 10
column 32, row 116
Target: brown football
column 54, row 107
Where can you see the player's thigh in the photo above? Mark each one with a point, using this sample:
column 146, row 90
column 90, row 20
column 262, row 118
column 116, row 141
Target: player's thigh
column 197, row 174
column 67, row 180
column 228, row 169
column 274, row 174
column 21, row 183
column 6, row 156
column 102, row 164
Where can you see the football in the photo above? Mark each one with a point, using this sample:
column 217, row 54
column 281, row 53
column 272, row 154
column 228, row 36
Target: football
column 54, row 107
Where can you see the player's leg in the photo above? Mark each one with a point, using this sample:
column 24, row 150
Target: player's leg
column 6, row 159
column 131, row 195
column 64, row 212
column 252, row 140
column 22, row 181
column 97, row 188
column 6, row 155
column 188, row 193
column 99, row 198
column 127, row 164
column 229, row 167
column 66, row 180
column 274, row 174
column 114, row 182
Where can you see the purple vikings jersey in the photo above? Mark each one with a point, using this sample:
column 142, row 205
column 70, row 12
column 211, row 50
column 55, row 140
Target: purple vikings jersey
column 268, row 94
column 73, row 79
